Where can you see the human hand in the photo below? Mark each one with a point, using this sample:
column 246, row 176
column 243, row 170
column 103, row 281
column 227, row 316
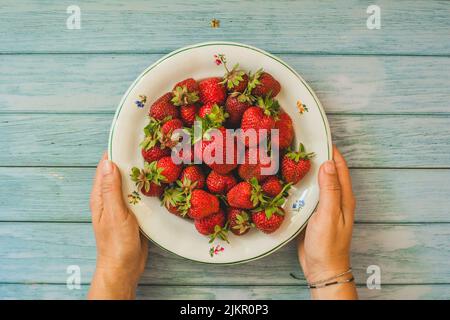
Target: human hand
column 324, row 247
column 121, row 249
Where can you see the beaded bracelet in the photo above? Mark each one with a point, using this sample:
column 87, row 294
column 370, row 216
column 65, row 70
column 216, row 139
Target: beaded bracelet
column 318, row 286
column 325, row 282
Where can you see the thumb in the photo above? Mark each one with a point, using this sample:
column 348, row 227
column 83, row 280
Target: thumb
column 330, row 189
column 111, row 187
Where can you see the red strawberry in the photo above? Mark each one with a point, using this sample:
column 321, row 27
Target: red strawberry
column 152, row 149
column 155, row 153
column 260, row 118
column 252, row 166
column 207, row 150
column 241, row 86
column 168, row 169
column 206, row 109
column 167, row 129
column 185, row 92
column 147, row 180
column 223, row 167
column 212, row 91
column 202, row 204
column 194, row 174
column 154, row 190
column 188, row 113
column 268, row 223
column 295, row 165
column 218, row 183
column 245, row 195
column 235, row 109
column 190, row 84
column 285, row 130
column 187, row 158
column 170, row 126
column 163, row 108
column 265, row 84
column 212, row 225
column 272, row 186
column 238, row 221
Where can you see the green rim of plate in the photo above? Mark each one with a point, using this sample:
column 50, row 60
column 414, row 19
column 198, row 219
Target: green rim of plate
column 232, row 44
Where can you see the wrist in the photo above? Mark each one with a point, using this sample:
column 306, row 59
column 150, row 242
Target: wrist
column 325, row 273
column 110, row 284
column 320, row 271
column 341, row 291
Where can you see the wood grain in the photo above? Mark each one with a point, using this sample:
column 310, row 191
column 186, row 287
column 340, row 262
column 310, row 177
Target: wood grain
column 156, row 292
column 62, row 194
column 386, row 92
column 95, row 83
column 366, row 141
column 407, row 27
column 406, row 254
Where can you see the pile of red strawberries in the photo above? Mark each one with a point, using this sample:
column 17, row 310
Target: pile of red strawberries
column 220, row 197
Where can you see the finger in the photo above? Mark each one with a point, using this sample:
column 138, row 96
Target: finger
column 111, row 188
column 330, row 192
column 96, row 193
column 347, row 198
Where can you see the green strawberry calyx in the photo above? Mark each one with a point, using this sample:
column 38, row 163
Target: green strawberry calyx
column 216, row 117
column 301, row 154
column 273, row 206
column 211, row 121
column 177, row 197
column 257, row 196
column 253, row 80
column 242, row 222
column 153, row 134
column 243, row 97
column 186, row 185
column 182, row 97
column 219, row 233
column 172, row 196
column 149, row 174
column 232, row 77
column 270, row 106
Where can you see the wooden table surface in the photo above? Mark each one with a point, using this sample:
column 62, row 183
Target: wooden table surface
column 386, row 93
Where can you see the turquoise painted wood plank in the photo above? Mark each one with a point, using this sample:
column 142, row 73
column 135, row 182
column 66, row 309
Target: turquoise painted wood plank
column 366, row 141
column 408, row 27
column 406, row 254
column 59, row 292
column 95, row 83
column 385, row 195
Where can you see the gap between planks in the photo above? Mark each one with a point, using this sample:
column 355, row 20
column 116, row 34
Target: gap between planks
column 165, row 52
column 224, row 285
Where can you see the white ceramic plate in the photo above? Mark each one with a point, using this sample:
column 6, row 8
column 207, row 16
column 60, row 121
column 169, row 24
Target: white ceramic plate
column 179, row 235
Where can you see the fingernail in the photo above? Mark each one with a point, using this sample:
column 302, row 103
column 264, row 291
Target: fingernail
column 329, row 167
column 106, row 167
